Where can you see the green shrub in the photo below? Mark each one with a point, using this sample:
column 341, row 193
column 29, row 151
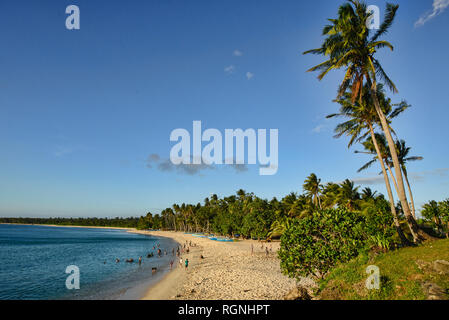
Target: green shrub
column 315, row 244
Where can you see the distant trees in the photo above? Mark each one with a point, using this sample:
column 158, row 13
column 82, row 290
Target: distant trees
column 117, row 222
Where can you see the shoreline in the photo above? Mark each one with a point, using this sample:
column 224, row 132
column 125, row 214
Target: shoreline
column 67, row 226
column 228, row 271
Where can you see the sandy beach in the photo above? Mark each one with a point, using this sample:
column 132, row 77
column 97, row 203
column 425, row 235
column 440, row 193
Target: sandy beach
column 228, row 271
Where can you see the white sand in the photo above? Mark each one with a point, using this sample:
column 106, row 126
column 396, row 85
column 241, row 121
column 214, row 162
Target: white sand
column 228, row 271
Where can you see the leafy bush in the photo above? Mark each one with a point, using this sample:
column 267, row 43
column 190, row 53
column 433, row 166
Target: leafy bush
column 315, row 244
column 378, row 226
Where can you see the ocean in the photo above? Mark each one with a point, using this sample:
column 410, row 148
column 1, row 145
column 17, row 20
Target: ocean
column 33, row 262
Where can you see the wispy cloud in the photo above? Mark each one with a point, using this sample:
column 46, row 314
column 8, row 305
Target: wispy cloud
column 237, row 53
column 62, row 151
column 229, row 69
column 165, row 165
column 319, row 128
column 420, row 176
column 249, row 75
column 370, row 180
column 438, row 8
column 414, row 176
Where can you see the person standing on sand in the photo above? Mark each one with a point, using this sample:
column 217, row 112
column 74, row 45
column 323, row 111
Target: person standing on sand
column 187, row 263
column 180, row 262
column 252, row 249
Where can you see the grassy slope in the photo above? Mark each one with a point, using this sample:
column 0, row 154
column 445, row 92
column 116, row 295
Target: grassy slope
column 400, row 276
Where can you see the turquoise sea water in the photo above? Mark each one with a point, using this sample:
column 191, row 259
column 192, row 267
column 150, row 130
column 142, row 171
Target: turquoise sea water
column 33, row 261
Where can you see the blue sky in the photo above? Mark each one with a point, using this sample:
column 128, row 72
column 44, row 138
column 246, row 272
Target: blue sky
column 82, row 110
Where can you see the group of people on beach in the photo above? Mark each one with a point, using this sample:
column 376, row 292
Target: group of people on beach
column 185, row 248
column 267, row 250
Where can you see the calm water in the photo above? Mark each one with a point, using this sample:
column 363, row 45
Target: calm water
column 33, row 260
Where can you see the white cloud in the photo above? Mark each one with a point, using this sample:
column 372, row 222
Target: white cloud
column 318, row 128
column 438, row 8
column 229, row 69
column 249, row 75
column 237, row 53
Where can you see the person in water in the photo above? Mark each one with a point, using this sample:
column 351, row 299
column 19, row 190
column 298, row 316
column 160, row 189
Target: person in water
column 140, row 260
column 171, row 264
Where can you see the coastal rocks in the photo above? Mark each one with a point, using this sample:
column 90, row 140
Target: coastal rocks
column 438, row 266
column 441, row 266
column 434, row 291
column 298, row 293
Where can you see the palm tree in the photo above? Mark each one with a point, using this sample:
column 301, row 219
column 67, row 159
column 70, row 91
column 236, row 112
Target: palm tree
column 348, row 195
column 368, row 193
column 403, row 155
column 376, row 145
column 330, row 195
column 350, row 45
column 312, row 186
column 362, row 117
column 431, row 211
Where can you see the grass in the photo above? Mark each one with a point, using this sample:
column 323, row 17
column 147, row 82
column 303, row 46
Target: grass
column 400, row 276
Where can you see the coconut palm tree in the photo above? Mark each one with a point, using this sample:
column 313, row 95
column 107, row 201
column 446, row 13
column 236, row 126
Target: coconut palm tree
column 431, row 211
column 348, row 195
column 376, row 145
column 330, row 195
column 349, row 44
column 312, row 186
column 361, row 119
column 368, row 193
column 403, row 155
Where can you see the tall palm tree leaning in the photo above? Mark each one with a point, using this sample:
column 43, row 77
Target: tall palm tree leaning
column 362, row 117
column 349, row 45
column 403, row 155
column 403, row 152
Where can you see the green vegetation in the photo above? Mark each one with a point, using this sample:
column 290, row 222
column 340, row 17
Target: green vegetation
column 313, row 245
column 438, row 213
column 403, row 274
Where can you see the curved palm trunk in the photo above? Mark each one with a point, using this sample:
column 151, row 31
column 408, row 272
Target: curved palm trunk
column 412, row 202
column 319, row 200
column 417, row 233
column 397, row 225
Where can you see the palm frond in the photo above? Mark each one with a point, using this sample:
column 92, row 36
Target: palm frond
column 390, row 14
